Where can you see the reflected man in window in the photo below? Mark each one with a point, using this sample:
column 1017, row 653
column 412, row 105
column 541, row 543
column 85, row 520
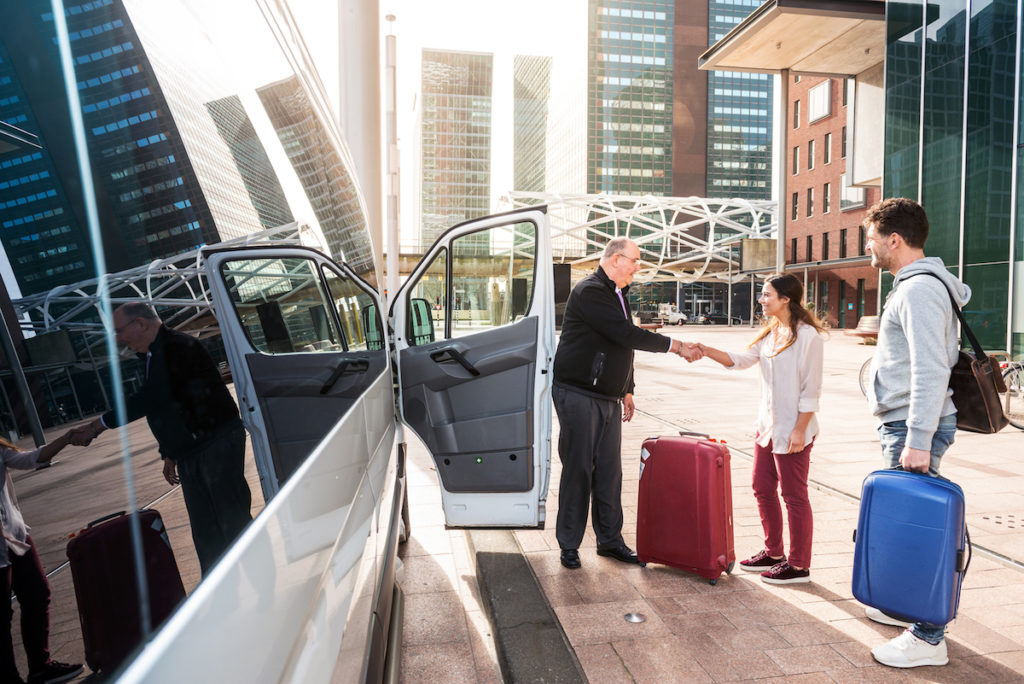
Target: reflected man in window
column 196, row 425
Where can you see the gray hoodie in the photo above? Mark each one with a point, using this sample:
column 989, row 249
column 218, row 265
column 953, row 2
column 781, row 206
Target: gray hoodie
column 917, row 346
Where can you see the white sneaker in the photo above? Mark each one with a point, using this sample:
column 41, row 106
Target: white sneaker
column 881, row 618
column 907, row 650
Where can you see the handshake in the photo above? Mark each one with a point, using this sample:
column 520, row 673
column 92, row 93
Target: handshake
column 691, row 351
column 82, row 435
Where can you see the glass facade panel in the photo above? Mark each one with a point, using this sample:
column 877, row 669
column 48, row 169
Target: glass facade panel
column 991, row 81
column 902, row 99
column 986, row 312
column 943, row 126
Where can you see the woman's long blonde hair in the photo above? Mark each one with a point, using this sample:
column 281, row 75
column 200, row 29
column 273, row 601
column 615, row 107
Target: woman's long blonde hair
column 786, row 285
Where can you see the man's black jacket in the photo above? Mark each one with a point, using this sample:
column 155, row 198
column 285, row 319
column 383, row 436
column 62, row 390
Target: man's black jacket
column 183, row 397
column 595, row 350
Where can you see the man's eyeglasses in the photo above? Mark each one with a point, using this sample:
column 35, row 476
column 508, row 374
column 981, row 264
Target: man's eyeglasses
column 630, row 258
column 118, row 331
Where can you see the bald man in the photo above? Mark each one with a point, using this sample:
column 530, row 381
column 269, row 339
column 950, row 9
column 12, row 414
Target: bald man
column 593, row 395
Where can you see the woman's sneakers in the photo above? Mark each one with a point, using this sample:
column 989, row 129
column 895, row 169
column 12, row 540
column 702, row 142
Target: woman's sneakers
column 784, row 573
column 760, row 562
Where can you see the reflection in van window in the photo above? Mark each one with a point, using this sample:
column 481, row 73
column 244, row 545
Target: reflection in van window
column 282, row 305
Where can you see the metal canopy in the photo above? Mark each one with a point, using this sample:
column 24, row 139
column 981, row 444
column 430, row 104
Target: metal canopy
column 831, row 38
column 681, row 239
column 176, row 286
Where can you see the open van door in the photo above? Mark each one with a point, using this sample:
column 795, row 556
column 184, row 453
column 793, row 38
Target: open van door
column 305, row 341
column 474, row 334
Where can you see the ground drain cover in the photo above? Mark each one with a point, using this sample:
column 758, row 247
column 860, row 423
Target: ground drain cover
column 1010, row 521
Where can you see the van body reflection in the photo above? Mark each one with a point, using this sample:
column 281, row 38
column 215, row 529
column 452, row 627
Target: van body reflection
column 217, row 161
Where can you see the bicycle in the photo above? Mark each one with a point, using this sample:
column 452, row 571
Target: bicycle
column 865, row 376
column 1013, row 405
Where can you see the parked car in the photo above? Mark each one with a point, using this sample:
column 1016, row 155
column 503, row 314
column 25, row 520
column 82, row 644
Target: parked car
column 671, row 315
column 717, row 317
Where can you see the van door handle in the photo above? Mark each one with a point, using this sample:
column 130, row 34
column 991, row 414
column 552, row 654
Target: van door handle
column 452, row 354
column 357, row 365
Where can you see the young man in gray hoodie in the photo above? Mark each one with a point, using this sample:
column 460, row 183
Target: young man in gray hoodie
column 909, row 389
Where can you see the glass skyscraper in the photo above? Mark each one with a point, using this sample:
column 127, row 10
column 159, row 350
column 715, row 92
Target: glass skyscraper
column 960, row 161
column 739, row 118
column 170, row 175
column 532, row 90
column 629, row 128
column 456, row 139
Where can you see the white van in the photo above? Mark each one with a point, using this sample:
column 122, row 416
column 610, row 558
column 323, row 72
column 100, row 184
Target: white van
column 309, row 591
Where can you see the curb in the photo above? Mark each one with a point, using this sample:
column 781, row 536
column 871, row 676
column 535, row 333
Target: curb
column 530, row 643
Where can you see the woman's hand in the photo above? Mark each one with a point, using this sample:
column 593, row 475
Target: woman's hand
column 797, row 441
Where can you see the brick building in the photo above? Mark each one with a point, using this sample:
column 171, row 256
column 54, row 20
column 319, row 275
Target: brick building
column 825, row 240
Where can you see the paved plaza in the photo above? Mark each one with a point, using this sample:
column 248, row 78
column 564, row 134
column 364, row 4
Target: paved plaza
column 740, row 629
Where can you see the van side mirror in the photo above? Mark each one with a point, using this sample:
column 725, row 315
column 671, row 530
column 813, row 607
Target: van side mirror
column 421, row 323
column 372, row 328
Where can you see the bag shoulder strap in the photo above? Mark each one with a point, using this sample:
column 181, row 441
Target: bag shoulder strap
column 979, row 353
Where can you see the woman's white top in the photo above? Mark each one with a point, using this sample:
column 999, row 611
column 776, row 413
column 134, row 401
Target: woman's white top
column 13, row 530
column 790, row 383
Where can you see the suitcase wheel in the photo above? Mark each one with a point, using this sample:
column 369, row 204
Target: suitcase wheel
column 713, row 582
column 728, row 570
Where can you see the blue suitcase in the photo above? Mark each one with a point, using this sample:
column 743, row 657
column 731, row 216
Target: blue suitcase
column 912, row 547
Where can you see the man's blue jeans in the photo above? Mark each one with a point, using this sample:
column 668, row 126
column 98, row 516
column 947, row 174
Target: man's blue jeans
column 893, row 437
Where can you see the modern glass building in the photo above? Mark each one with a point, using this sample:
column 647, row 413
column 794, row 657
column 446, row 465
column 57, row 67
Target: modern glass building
column 531, row 95
column 739, row 161
column 456, row 139
column 953, row 128
column 629, row 121
column 176, row 167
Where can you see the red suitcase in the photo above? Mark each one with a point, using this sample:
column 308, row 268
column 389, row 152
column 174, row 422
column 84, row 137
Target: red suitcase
column 103, row 572
column 684, row 516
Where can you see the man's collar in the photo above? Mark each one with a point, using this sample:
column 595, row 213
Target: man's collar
column 608, row 282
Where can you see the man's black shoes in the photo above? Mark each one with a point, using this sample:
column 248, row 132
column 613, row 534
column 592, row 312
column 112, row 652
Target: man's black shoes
column 570, row 558
column 620, row 553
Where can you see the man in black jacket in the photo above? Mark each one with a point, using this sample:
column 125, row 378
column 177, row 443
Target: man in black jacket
column 593, row 393
column 196, row 425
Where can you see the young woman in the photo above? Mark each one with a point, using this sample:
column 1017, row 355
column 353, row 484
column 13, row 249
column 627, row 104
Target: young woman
column 789, row 350
column 22, row 573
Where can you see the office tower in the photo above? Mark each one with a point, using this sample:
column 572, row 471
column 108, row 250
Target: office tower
column 629, row 122
column 739, row 148
column 531, row 93
column 175, row 162
column 456, row 139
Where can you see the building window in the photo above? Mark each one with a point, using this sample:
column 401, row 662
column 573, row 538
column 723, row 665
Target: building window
column 796, row 160
column 792, row 248
column 842, row 243
column 861, row 241
column 842, row 149
column 819, row 101
column 810, row 202
column 810, row 155
column 860, row 298
column 847, row 84
column 795, row 205
column 850, row 198
column 796, row 79
column 810, row 248
column 824, row 246
column 828, row 148
column 826, row 197
column 796, row 114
